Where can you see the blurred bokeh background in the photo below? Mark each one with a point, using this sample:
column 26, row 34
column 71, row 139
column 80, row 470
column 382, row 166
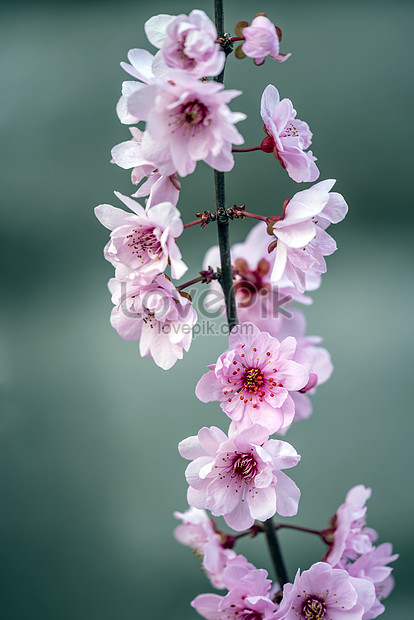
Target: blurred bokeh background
column 90, row 472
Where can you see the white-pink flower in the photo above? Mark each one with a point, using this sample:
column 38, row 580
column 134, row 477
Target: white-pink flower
column 140, row 67
column 254, row 378
column 315, row 358
column 288, row 137
column 248, row 597
column 156, row 315
column 198, row 532
column 261, row 40
column 373, row 566
column 143, row 242
column 325, row 593
column 239, row 477
column 258, row 300
column 351, row 537
column 301, row 239
column 382, row 591
column 158, row 187
column 187, row 121
column 186, row 42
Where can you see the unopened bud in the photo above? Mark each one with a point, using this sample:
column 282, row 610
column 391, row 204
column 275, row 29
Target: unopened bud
column 267, row 145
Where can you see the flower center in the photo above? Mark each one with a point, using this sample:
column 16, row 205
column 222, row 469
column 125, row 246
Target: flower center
column 248, row 614
column 149, row 318
column 313, row 609
column 249, row 283
column 252, row 384
column 253, row 380
column 243, row 467
column 188, row 63
column 290, row 130
column 144, row 244
column 194, row 113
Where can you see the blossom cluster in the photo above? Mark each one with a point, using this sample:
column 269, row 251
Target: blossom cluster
column 188, row 119
column 264, row 378
column 346, row 583
column 147, row 306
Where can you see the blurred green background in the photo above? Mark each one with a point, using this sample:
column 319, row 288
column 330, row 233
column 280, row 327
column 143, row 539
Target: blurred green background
column 90, row 472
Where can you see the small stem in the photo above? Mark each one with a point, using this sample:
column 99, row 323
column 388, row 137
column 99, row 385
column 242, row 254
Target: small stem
column 275, row 553
column 254, row 216
column 190, row 283
column 232, row 39
column 258, row 527
column 193, row 223
column 241, row 535
column 287, row 526
column 252, row 531
column 253, row 148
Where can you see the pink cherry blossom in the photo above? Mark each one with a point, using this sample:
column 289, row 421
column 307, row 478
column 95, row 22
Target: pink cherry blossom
column 373, row 566
column 142, row 242
column 264, row 304
column 288, row 137
column 258, row 300
column 158, row 187
column 261, row 40
column 315, row 358
column 351, row 537
column 382, row 591
column 253, row 281
column 325, row 593
column 186, row 42
column 238, row 569
column 156, row 315
column 141, row 69
column 247, row 599
column 301, row 239
column 187, row 121
column 239, row 477
column 254, row 378
column 198, row 532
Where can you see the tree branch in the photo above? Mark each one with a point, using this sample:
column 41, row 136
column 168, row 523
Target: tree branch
column 228, row 291
column 226, row 279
